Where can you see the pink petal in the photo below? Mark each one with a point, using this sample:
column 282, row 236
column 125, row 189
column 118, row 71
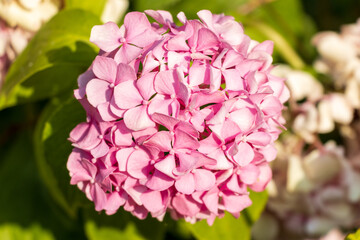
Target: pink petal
column 165, row 82
column 233, row 80
column 206, row 40
column 98, row 91
column 235, row 186
column 187, row 162
column 114, row 201
column 232, row 58
column 232, row 32
column 134, row 190
column 105, row 68
column 185, row 141
column 138, row 29
column 167, row 165
column 127, row 53
column 204, row 179
column 126, row 95
column 164, row 120
column 85, row 136
column 249, row 174
column 244, row 154
column 83, row 80
column 161, row 140
column 100, row 150
column 162, row 17
column 98, row 196
column 160, row 105
column 229, row 130
column 152, row 201
column 259, row 138
column 269, row 152
column 222, row 163
column 211, row 200
column 178, row 43
column 138, row 164
column 159, row 181
column 83, row 171
column 236, row 203
column 264, row 178
column 105, row 112
column 106, row 36
column 122, row 135
column 199, row 73
column 266, row 46
column 185, row 205
column 137, row 118
column 122, row 157
column 125, row 73
column 271, row 106
column 145, row 84
column 185, row 184
column 215, row 79
column 244, row 118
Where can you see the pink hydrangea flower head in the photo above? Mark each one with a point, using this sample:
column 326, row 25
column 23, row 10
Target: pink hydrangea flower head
column 180, row 119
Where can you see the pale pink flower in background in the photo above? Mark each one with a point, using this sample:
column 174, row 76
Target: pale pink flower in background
column 181, row 119
column 12, row 43
column 339, row 57
column 318, row 193
column 28, row 14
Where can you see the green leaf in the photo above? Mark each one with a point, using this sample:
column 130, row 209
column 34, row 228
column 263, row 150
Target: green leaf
column 286, row 23
column 122, row 225
column 141, row 5
column 228, row 227
column 52, row 150
column 354, row 236
column 53, row 59
column 15, row 232
column 94, row 6
column 259, row 200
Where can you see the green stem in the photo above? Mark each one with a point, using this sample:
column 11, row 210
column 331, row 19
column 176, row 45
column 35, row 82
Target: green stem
column 282, row 45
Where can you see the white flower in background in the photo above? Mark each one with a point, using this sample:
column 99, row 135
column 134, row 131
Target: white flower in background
column 12, row 42
column 301, row 84
column 340, row 57
column 114, row 10
column 313, row 191
column 28, row 14
column 20, row 19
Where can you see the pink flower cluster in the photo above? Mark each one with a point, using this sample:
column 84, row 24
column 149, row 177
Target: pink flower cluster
column 179, row 118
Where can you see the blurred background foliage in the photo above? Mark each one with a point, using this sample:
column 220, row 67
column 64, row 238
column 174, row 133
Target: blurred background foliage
column 38, row 112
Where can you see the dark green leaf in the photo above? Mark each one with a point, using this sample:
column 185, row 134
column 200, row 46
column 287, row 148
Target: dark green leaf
column 53, row 59
column 52, row 150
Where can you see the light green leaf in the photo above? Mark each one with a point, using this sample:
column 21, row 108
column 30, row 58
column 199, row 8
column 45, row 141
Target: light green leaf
column 53, row 59
column 354, row 236
column 52, row 150
column 259, row 200
column 122, row 225
column 15, row 232
column 94, row 6
column 228, row 227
